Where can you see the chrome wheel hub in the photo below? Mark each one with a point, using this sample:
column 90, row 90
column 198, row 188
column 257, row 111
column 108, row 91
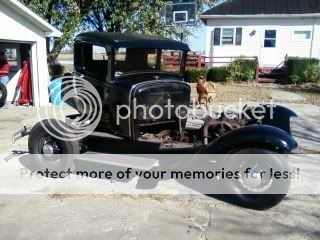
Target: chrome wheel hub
column 256, row 180
column 48, row 150
column 253, row 180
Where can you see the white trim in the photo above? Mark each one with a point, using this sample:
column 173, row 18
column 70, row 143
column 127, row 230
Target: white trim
column 18, row 7
column 179, row 12
column 309, row 15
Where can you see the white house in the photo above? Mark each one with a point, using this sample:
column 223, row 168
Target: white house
column 268, row 29
column 22, row 32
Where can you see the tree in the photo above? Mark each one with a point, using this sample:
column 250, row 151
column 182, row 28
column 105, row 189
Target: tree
column 65, row 15
column 141, row 16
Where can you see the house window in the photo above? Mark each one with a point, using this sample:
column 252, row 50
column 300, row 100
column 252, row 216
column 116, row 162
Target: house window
column 302, row 35
column 270, row 38
column 227, row 36
column 11, row 54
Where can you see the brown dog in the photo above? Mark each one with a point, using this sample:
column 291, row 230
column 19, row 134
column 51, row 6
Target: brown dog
column 206, row 92
column 211, row 91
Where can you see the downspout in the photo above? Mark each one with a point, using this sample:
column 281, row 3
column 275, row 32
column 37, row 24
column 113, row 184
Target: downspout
column 211, row 47
column 312, row 38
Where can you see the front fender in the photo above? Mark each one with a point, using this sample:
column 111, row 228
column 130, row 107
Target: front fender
column 278, row 116
column 261, row 136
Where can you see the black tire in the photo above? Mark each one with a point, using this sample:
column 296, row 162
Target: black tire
column 3, row 95
column 62, row 158
column 265, row 199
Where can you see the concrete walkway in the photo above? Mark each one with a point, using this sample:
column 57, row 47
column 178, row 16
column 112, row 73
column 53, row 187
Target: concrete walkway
column 286, row 96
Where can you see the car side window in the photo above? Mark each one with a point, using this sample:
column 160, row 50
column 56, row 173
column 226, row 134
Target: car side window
column 92, row 60
column 99, row 53
column 137, row 59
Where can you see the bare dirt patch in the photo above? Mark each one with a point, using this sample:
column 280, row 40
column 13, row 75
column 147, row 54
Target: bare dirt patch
column 231, row 92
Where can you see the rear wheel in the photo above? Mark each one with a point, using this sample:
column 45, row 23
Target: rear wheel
column 50, row 152
column 3, row 95
column 255, row 187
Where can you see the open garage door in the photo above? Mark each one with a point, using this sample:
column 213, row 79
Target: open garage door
column 17, row 54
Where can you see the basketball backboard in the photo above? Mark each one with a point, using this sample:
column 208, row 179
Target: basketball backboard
column 183, row 13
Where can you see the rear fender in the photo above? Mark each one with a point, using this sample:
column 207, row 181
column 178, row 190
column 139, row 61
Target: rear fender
column 261, row 136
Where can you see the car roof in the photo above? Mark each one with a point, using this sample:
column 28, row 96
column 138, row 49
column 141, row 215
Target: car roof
column 130, row 40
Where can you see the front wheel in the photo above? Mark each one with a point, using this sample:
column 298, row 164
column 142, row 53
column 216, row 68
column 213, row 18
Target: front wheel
column 50, row 152
column 256, row 187
column 3, row 95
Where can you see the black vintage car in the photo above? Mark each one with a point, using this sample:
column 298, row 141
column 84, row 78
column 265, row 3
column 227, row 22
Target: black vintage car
column 128, row 68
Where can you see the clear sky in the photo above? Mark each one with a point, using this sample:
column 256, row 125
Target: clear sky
column 198, row 42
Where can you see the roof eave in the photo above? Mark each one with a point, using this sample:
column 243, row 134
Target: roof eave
column 309, row 15
column 49, row 30
column 53, row 34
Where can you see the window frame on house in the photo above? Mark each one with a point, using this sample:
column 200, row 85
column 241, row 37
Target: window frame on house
column 267, row 38
column 224, row 38
column 12, row 56
column 294, row 35
column 237, row 36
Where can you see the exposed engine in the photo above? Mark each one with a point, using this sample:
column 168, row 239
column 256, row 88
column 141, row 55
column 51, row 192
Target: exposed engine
column 210, row 130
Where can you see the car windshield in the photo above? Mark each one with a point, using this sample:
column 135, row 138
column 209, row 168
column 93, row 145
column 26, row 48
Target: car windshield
column 130, row 60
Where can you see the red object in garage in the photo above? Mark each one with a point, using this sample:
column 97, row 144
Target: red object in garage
column 24, row 85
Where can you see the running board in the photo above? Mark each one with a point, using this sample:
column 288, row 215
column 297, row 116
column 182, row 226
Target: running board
column 125, row 161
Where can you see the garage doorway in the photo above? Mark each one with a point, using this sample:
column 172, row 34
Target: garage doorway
column 16, row 53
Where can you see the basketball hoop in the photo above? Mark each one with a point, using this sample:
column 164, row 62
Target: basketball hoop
column 182, row 13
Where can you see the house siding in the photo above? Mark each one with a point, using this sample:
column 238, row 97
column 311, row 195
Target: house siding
column 14, row 28
column 253, row 45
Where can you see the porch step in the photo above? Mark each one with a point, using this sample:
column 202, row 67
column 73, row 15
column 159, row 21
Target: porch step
column 272, row 71
column 271, row 80
column 272, row 75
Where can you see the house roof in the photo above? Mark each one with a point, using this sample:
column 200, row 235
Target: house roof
column 263, row 8
column 22, row 10
column 131, row 40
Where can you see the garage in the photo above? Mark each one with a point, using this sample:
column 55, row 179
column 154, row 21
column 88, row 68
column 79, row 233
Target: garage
column 23, row 37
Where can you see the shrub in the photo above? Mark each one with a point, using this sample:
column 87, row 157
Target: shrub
column 239, row 70
column 217, row 74
column 299, row 69
column 56, row 70
column 312, row 73
column 242, row 70
column 192, row 74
